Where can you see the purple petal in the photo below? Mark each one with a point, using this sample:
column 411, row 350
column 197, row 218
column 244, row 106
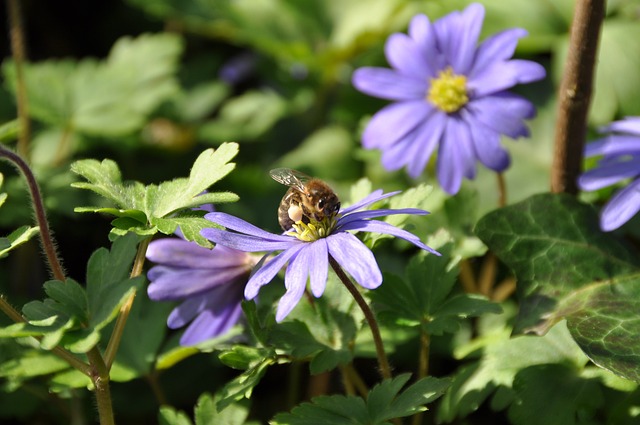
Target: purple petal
column 393, row 122
column 374, row 196
column 628, row 125
column 295, row 280
column 427, row 141
column 181, row 253
column 503, row 75
column 607, row 175
column 362, row 215
column 317, row 258
column 355, row 258
column 486, row 143
column 464, row 40
column 388, row 84
column 267, row 272
column 421, row 31
column 503, row 112
column 215, row 320
column 406, row 56
column 375, row 226
column 614, row 145
column 246, row 243
column 239, row 225
column 169, row 283
column 185, row 312
column 455, row 158
column 496, row 48
column 624, row 205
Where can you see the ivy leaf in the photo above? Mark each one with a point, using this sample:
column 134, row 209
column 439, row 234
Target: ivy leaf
column 567, row 268
column 384, row 402
column 424, row 297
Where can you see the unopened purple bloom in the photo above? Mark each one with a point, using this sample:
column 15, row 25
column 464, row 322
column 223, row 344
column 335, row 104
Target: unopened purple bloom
column 208, row 282
column 307, row 251
column 450, row 92
column 620, row 160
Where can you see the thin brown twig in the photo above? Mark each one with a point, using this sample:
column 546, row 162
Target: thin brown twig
column 575, row 95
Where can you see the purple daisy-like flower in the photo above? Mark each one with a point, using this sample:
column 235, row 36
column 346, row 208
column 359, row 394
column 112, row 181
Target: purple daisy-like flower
column 450, row 92
column 208, row 282
column 620, row 160
column 308, row 247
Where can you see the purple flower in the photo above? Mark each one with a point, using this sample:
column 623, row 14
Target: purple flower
column 448, row 91
column 620, row 161
column 307, row 249
column 208, row 282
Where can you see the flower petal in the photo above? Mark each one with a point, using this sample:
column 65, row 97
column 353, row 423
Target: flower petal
column 503, row 75
column 406, row 56
column 317, row 258
column 393, row 122
column 486, row 143
column 373, row 197
column 185, row 312
column 427, row 141
column 239, row 225
column 375, row 226
column 295, row 280
column 503, row 112
column 421, row 31
column 181, row 253
column 455, row 158
column 355, row 258
column 609, row 174
column 361, row 215
column 246, row 243
column 267, row 272
column 615, row 144
column 388, row 84
column 464, row 40
column 624, row 205
column 170, row 283
column 212, row 322
column 628, row 125
column 498, row 47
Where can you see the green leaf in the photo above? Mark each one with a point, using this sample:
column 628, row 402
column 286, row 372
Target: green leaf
column 105, row 179
column 424, row 297
column 572, row 400
column 16, row 238
column 384, row 402
column 141, row 339
column 502, row 357
column 170, row 416
column 206, row 412
column 108, row 283
column 567, row 268
column 31, row 363
column 210, row 166
column 9, row 131
column 242, row 386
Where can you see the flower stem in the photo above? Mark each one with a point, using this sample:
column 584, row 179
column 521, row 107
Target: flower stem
column 575, row 95
column 385, row 369
column 423, row 367
column 118, row 329
column 19, row 56
column 100, row 378
column 41, row 216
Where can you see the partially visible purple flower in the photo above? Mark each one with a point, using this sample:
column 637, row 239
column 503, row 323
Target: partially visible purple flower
column 450, row 92
column 620, row 160
column 307, row 250
column 208, row 282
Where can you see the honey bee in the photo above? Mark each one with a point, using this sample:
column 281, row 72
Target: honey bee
column 307, row 198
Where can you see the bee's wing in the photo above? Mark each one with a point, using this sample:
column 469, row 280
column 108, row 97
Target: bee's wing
column 289, row 177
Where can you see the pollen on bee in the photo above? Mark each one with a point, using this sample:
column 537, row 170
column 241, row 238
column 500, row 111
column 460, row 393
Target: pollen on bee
column 295, row 212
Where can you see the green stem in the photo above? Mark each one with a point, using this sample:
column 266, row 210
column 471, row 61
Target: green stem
column 423, row 367
column 100, row 378
column 385, row 369
column 19, row 56
column 116, row 336
column 46, row 237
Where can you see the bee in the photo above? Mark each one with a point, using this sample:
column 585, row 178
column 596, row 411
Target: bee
column 307, row 198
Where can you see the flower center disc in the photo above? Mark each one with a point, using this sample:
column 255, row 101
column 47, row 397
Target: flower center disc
column 314, row 230
column 448, row 92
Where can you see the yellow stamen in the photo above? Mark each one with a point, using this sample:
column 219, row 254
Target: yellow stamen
column 314, row 230
column 448, row 92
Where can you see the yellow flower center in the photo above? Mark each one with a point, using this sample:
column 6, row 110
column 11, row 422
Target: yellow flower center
column 448, row 92
column 314, row 230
